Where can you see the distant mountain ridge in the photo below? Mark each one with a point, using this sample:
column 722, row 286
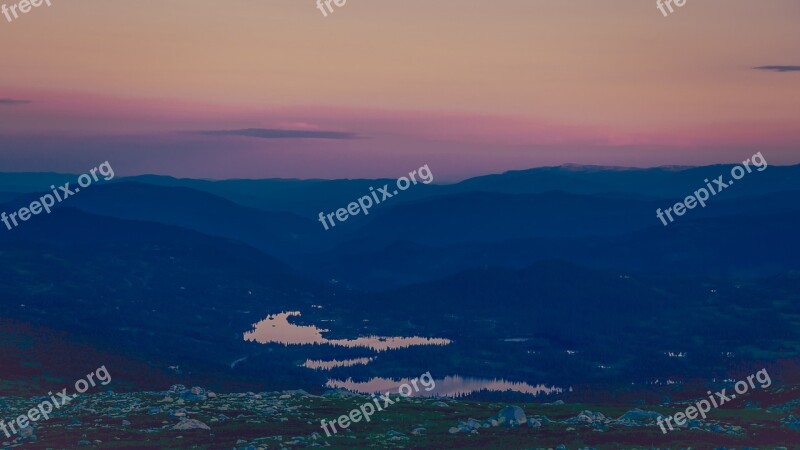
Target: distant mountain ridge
column 438, row 230
column 308, row 197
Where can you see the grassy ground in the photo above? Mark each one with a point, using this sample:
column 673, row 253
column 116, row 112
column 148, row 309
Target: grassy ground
column 292, row 420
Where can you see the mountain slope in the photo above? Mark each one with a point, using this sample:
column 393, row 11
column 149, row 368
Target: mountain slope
column 272, row 232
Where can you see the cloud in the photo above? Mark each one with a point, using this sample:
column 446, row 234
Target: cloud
column 12, row 102
column 271, row 133
column 779, row 68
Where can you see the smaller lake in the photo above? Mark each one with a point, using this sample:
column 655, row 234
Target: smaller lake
column 277, row 329
column 450, row 386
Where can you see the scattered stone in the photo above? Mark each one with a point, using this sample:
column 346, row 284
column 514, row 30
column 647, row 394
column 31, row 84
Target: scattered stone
column 534, row 423
column 27, row 433
column 178, row 413
column 791, row 422
column 191, row 424
column 104, row 410
column 339, row 393
column 393, row 435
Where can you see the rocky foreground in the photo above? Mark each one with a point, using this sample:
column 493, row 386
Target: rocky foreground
column 196, row 418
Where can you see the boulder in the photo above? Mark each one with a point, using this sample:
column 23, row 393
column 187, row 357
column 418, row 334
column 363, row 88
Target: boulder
column 589, row 418
column 195, row 394
column 176, row 388
column 534, row 423
column 191, row 424
column 511, row 416
column 473, row 423
column 638, row 418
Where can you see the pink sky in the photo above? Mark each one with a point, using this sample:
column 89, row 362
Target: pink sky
column 467, row 86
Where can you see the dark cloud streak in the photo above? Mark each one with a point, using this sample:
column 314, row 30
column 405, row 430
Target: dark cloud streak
column 779, row 68
column 13, row 102
column 269, row 133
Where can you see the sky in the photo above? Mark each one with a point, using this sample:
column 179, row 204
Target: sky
column 274, row 89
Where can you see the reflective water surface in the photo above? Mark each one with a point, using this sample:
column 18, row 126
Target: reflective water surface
column 277, row 329
column 450, row 386
column 328, row 365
